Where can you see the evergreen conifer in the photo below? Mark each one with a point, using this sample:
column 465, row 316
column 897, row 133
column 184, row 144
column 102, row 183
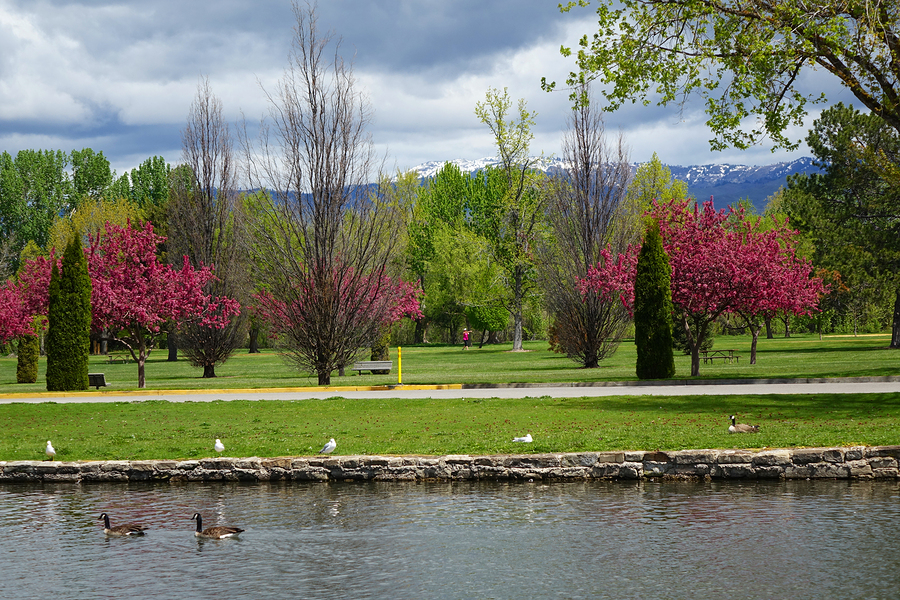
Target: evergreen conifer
column 69, row 316
column 653, row 309
column 27, row 363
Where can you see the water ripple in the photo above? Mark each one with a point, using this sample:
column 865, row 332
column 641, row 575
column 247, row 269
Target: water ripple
column 795, row 540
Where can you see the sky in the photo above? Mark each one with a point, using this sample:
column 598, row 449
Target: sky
column 119, row 76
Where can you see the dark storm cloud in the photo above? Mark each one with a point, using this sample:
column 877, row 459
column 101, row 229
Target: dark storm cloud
column 119, row 76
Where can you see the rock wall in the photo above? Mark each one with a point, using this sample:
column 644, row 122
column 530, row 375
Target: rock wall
column 857, row 462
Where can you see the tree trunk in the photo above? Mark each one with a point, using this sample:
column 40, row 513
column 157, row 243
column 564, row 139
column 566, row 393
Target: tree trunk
column 142, row 379
column 895, row 328
column 209, row 371
column 754, row 331
column 517, row 332
column 254, row 340
column 420, row 331
column 324, row 378
column 694, row 340
column 483, row 337
column 172, row 344
column 519, row 293
column 770, row 335
column 695, row 360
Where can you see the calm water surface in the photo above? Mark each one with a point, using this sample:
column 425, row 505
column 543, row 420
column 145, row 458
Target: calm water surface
column 794, row 540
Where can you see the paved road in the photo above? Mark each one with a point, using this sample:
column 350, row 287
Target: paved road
column 836, row 386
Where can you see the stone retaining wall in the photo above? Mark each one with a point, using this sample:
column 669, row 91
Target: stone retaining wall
column 857, row 462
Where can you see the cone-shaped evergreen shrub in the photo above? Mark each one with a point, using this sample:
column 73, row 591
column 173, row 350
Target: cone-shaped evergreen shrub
column 69, row 316
column 27, row 364
column 653, row 309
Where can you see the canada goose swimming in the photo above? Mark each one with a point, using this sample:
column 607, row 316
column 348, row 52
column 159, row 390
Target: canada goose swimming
column 742, row 427
column 50, row 451
column 527, row 439
column 216, row 533
column 121, row 529
column 329, row 447
column 220, row 447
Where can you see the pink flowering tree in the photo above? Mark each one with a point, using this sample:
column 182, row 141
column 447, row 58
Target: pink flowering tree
column 722, row 261
column 134, row 295
column 23, row 300
column 778, row 280
column 325, row 320
column 14, row 320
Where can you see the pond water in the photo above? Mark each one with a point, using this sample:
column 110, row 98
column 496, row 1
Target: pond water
column 796, row 540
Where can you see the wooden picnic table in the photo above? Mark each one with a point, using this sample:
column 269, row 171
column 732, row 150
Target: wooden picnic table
column 122, row 357
column 726, row 356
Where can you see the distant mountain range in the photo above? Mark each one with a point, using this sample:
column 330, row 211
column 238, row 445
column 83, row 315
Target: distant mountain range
column 725, row 183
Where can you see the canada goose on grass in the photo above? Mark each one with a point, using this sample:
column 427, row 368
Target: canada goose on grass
column 121, row 529
column 49, row 451
column 742, row 427
column 215, row 533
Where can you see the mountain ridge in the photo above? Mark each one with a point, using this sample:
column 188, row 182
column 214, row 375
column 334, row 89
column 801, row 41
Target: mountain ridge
column 726, row 183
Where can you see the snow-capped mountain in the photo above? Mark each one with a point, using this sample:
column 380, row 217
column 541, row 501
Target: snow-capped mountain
column 725, row 183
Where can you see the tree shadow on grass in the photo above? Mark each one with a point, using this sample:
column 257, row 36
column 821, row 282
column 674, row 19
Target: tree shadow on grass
column 786, row 404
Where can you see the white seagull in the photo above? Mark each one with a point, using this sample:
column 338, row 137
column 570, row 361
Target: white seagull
column 329, row 447
column 51, row 453
column 220, row 447
column 527, row 439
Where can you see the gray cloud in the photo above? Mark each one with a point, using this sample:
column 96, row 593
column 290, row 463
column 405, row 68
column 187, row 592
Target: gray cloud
column 119, row 76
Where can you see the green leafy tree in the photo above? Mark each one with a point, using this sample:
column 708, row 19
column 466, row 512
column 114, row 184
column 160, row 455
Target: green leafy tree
column 653, row 309
column 488, row 319
column 91, row 174
column 745, row 58
column 652, row 181
column 851, row 211
column 90, row 219
column 463, row 276
column 34, row 189
column 439, row 203
column 150, row 183
column 69, row 316
column 510, row 217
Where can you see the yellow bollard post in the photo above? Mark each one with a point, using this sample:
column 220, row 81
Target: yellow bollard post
column 399, row 366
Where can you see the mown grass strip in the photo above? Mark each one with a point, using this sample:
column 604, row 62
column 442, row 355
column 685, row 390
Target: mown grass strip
column 175, row 430
column 798, row 356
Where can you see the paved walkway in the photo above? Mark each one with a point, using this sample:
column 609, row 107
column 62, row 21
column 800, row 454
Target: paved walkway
column 675, row 388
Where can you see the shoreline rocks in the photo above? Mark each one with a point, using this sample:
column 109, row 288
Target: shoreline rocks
column 855, row 462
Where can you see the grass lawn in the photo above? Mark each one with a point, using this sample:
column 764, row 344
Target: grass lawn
column 798, row 356
column 160, row 430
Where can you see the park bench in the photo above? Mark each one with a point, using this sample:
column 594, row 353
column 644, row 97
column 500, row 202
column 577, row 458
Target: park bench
column 373, row 365
column 97, row 380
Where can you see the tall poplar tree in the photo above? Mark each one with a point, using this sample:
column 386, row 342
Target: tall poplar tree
column 653, row 309
column 69, row 316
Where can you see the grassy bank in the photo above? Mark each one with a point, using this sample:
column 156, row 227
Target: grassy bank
column 798, row 356
column 279, row 428
column 160, row 430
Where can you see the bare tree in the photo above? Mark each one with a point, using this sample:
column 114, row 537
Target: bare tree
column 587, row 212
column 207, row 224
column 324, row 240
